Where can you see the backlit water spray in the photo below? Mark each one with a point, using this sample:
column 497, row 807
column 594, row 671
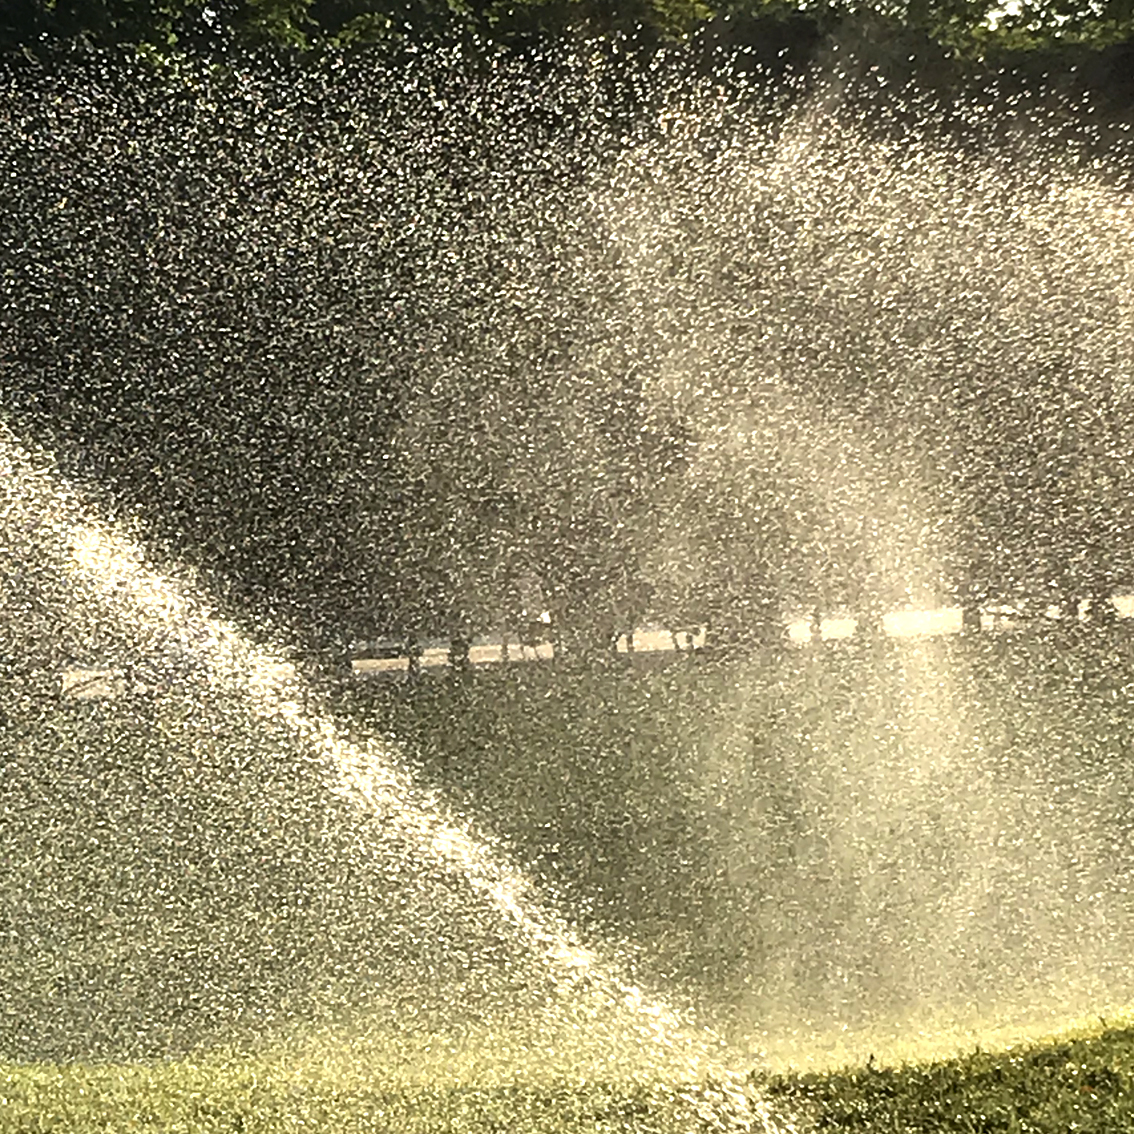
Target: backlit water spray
column 879, row 329
column 348, row 337
column 591, row 1021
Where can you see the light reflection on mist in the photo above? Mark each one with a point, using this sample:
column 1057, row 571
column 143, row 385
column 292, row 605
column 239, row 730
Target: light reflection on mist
column 898, row 864
column 591, row 1022
column 883, row 846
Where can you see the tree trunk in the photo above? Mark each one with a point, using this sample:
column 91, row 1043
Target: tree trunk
column 970, row 615
column 816, row 626
column 870, row 624
column 973, row 596
column 413, row 658
column 1068, row 607
column 459, row 646
column 1101, row 610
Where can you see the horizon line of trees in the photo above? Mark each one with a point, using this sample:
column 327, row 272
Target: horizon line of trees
column 376, row 357
column 1040, row 36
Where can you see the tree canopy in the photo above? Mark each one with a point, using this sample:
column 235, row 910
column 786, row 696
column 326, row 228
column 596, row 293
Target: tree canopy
column 1054, row 30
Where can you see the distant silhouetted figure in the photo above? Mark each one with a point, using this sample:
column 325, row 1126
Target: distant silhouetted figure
column 413, row 658
column 459, row 646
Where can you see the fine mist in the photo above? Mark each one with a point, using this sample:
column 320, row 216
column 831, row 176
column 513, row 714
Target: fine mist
column 375, row 360
column 926, row 835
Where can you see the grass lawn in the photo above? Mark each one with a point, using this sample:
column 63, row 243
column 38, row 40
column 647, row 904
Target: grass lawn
column 1081, row 1082
column 923, row 802
column 832, row 839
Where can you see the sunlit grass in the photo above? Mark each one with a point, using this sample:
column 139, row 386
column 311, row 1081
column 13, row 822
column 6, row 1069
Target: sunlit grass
column 603, row 756
column 1078, row 1080
column 217, row 1094
column 938, row 1036
column 947, row 749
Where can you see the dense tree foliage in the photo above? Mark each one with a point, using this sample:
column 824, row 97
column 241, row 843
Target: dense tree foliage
column 975, row 28
column 346, row 355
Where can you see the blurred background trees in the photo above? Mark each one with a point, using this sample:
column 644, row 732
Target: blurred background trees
column 387, row 362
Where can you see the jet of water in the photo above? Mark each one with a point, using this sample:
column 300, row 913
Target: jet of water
column 111, row 578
